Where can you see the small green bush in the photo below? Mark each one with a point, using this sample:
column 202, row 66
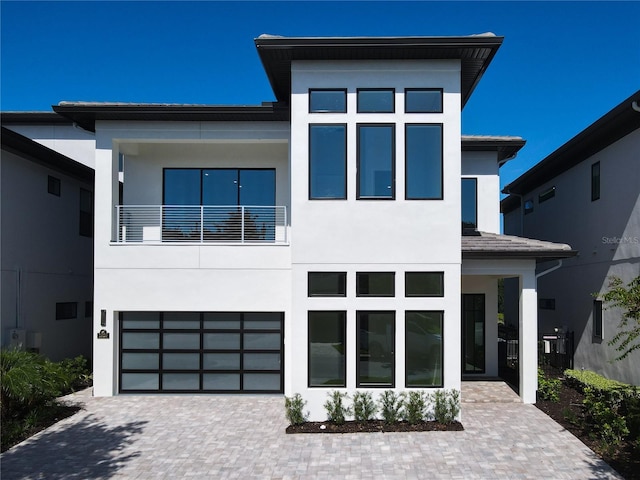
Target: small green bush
column 364, row 408
column 390, row 406
column 548, row 388
column 294, row 409
column 335, row 406
column 78, row 371
column 602, row 410
column 580, row 379
column 415, row 406
column 446, row 405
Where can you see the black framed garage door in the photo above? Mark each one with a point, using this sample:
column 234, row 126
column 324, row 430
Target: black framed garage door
column 201, row 352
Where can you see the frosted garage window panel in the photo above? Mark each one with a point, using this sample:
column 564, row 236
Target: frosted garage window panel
column 327, row 162
column 423, row 156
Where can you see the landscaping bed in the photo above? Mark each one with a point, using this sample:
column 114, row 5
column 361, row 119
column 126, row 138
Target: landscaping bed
column 569, row 412
column 374, row 426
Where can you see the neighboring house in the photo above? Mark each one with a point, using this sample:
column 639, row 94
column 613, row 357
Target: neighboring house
column 313, row 243
column 46, row 254
column 586, row 193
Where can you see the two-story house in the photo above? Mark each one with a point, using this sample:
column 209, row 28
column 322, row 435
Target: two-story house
column 586, row 193
column 313, row 243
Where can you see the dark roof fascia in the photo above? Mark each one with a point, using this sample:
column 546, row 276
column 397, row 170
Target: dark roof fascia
column 506, row 149
column 501, row 254
column 277, row 53
column 33, row 118
column 26, row 148
column 614, row 125
column 86, row 114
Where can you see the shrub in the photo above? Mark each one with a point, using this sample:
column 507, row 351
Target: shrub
column 580, row 379
column 294, row 409
column 548, row 388
column 446, row 405
column 415, row 406
column 78, row 372
column 337, row 411
column 390, row 406
column 364, row 408
column 602, row 410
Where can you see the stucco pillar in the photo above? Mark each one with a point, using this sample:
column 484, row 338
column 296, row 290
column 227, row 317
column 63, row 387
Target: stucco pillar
column 528, row 340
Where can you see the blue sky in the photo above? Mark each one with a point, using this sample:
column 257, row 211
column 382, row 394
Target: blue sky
column 561, row 67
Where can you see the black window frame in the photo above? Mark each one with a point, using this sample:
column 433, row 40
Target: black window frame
column 441, row 350
column 342, row 286
column 345, row 182
column 595, row 181
column 406, row 103
column 359, row 293
column 407, row 275
column 597, row 321
column 53, row 185
column 407, row 126
column 392, row 126
column 344, row 353
column 528, row 206
column 548, row 194
column 381, row 89
column 312, row 90
column 66, row 310
column 475, row 201
column 392, row 361
column 85, row 217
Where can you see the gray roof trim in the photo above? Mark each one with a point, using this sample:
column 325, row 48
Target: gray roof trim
column 26, row 148
column 610, row 128
column 277, row 53
column 493, row 245
column 506, row 147
column 85, row 114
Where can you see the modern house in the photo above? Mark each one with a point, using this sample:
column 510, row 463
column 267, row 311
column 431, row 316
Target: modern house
column 586, row 193
column 46, row 245
column 313, row 243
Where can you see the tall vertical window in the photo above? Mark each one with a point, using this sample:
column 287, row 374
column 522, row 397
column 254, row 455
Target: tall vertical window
column 327, row 334
column 376, row 161
column 597, row 319
column 423, row 343
column 86, row 213
column 327, row 162
column 376, row 100
column 376, row 344
column 327, row 101
column 469, row 203
column 53, row 186
column 595, row 181
column 423, row 157
column 423, row 100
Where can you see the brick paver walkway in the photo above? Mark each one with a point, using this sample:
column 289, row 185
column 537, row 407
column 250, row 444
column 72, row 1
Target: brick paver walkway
column 174, row 437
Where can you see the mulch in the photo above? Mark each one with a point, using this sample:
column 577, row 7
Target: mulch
column 374, row 426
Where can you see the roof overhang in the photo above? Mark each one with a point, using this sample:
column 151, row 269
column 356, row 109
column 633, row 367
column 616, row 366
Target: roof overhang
column 610, row 128
column 483, row 245
column 475, row 53
column 26, row 148
column 85, row 114
column 33, row 118
column 506, row 147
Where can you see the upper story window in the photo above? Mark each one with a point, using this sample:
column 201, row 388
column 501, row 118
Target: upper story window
column 423, row 157
column 376, row 100
column 595, row 181
column 424, row 284
column 86, row 213
column 469, row 203
column 327, row 101
column 423, row 100
column 547, row 194
column 327, row 284
column 376, row 161
column 327, row 161
column 53, row 186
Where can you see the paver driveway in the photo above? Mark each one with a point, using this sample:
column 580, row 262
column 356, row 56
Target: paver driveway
column 174, row 437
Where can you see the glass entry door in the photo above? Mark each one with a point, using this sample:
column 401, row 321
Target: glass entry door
column 473, row 333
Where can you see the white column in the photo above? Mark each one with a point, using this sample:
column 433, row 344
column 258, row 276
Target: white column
column 528, row 341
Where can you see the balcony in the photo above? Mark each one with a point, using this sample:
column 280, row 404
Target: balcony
column 201, row 224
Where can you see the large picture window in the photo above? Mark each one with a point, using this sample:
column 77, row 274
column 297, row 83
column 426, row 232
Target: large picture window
column 376, row 344
column 327, row 162
column 423, row 347
column 376, row 161
column 423, row 157
column 327, row 343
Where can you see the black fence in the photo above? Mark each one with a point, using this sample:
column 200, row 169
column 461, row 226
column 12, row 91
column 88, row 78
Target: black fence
column 556, row 349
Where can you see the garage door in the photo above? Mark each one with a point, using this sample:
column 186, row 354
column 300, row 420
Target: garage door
column 200, row 352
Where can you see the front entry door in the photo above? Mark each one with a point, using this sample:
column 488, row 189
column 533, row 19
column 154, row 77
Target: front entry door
column 473, row 333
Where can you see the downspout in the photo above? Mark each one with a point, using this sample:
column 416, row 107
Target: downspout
column 548, row 270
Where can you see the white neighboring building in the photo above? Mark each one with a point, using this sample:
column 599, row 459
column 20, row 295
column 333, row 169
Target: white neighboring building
column 46, row 253
column 586, row 193
column 310, row 244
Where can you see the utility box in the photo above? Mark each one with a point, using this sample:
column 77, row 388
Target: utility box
column 17, row 338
